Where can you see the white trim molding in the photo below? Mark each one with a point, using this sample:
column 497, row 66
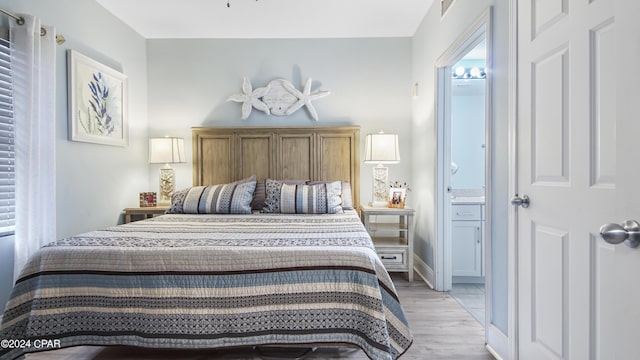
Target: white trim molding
column 497, row 342
column 512, row 245
column 424, row 271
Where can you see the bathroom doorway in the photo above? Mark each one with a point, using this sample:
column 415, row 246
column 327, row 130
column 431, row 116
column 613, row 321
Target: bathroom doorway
column 463, row 123
column 489, row 230
column 467, row 180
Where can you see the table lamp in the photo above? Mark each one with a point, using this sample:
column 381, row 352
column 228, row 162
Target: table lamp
column 381, row 149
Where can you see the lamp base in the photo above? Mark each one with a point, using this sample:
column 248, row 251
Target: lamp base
column 380, row 190
column 167, row 185
column 378, row 204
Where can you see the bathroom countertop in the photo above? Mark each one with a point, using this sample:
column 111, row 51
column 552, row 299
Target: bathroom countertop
column 468, row 200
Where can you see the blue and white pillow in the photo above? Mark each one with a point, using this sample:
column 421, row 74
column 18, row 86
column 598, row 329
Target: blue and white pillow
column 177, row 202
column 233, row 198
column 272, row 197
column 304, row 199
column 347, row 199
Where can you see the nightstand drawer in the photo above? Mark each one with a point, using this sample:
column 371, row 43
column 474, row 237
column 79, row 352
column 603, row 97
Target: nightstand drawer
column 393, row 259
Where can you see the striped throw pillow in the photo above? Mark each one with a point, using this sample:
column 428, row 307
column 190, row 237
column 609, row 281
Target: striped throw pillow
column 233, row 198
column 311, row 199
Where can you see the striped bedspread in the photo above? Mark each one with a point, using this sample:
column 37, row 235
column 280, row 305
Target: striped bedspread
column 209, row 281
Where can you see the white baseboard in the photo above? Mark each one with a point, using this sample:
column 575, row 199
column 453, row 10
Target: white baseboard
column 424, row 271
column 497, row 343
column 493, row 352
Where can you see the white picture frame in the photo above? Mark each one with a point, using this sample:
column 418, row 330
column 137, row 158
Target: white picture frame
column 97, row 102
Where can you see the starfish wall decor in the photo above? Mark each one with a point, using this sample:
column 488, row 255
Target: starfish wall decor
column 279, row 97
column 250, row 98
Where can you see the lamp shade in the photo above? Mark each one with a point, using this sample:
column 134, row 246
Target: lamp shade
column 166, row 150
column 381, row 148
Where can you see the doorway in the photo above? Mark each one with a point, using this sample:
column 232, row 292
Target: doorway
column 463, row 93
column 467, row 180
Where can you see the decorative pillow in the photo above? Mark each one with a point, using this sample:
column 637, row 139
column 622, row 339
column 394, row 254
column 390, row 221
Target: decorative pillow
column 272, row 199
column 311, row 199
column 232, row 198
column 260, row 195
column 177, row 202
column 347, row 199
column 177, row 199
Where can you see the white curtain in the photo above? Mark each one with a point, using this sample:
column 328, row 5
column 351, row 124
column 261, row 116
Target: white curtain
column 34, row 83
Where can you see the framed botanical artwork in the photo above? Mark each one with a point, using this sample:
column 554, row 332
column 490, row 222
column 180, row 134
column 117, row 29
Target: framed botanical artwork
column 397, row 197
column 148, row 199
column 97, row 102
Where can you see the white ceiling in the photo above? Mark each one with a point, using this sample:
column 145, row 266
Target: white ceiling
column 270, row 19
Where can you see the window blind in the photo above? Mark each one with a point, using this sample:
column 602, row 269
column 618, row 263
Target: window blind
column 7, row 149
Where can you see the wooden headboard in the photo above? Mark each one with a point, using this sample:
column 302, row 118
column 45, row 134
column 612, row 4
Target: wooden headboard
column 222, row 155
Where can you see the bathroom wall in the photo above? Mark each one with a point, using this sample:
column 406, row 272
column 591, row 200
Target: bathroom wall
column 468, row 107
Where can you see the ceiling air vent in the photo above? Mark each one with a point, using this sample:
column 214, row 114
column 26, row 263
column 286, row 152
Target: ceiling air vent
column 444, row 5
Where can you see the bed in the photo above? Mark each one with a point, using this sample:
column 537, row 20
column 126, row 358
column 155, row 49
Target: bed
column 219, row 280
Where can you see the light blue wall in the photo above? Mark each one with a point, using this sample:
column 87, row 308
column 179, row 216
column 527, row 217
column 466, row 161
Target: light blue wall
column 93, row 182
column 468, row 133
column 369, row 80
column 432, row 39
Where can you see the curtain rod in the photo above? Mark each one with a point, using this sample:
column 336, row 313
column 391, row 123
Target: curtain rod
column 20, row 20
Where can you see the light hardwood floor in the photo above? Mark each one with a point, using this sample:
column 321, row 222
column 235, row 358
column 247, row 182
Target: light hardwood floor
column 442, row 329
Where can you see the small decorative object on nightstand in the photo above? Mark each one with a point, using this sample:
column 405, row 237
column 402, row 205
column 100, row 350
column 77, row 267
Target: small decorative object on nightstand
column 396, row 198
column 144, row 212
column 148, row 199
column 393, row 240
column 398, row 194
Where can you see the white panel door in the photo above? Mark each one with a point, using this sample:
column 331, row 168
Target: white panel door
column 577, row 146
column 625, row 329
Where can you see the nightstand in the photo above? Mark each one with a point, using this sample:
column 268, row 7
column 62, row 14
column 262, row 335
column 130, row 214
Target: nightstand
column 144, row 212
column 393, row 240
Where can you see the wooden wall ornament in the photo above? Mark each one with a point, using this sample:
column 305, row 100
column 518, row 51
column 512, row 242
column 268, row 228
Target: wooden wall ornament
column 280, row 97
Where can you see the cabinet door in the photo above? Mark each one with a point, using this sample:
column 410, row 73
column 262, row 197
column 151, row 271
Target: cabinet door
column 467, row 248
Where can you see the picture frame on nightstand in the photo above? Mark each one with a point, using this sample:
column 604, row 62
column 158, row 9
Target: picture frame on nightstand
column 148, row 199
column 397, row 197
